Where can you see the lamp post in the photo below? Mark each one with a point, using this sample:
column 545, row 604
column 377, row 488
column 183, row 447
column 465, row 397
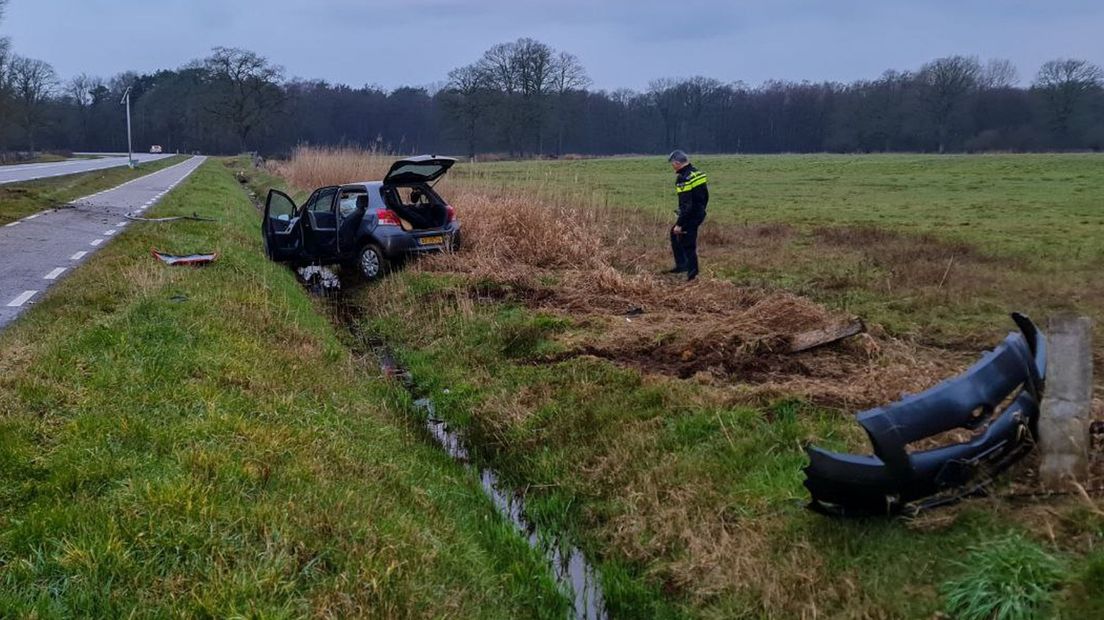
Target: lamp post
column 130, row 145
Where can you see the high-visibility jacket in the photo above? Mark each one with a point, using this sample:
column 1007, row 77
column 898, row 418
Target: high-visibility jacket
column 693, row 196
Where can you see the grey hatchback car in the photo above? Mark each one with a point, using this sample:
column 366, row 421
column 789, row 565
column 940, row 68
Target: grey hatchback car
column 369, row 224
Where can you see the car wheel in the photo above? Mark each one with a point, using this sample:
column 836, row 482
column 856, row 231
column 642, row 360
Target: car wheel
column 371, row 262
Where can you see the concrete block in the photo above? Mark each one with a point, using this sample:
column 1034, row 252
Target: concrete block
column 1066, row 410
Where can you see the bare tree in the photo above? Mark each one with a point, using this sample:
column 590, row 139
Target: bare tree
column 82, row 91
column 999, row 73
column 1065, row 84
column 947, row 85
column 5, row 42
column 32, row 81
column 664, row 94
column 500, row 67
column 467, row 99
column 245, row 89
column 523, row 71
column 568, row 75
column 5, row 77
column 535, row 61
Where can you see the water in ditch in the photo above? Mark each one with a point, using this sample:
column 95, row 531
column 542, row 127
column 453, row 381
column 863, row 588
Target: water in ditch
column 570, row 567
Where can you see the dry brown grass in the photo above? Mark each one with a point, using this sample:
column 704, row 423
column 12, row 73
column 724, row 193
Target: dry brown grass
column 313, row 167
column 594, row 264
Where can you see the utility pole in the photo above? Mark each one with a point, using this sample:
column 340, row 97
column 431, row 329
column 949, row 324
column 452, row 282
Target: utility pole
column 130, row 145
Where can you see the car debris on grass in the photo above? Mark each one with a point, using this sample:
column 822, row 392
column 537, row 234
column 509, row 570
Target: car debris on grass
column 172, row 218
column 185, row 259
column 997, row 399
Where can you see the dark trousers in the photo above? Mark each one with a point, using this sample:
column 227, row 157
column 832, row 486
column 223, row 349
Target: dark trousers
column 684, row 247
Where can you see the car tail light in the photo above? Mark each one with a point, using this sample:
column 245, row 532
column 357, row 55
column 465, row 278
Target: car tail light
column 450, row 214
column 387, row 217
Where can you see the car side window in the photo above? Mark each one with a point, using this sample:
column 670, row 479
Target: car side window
column 309, row 204
column 322, row 200
column 347, row 202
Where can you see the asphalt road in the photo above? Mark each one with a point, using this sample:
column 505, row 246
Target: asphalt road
column 40, row 249
column 30, row 172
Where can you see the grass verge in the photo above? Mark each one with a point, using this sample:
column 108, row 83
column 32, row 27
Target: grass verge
column 197, row 442
column 18, row 200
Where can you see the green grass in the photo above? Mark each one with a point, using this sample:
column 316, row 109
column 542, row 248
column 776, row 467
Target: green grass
column 1045, row 207
column 1007, row 579
column 198, row 442
column 41, row 158
column 18, row 200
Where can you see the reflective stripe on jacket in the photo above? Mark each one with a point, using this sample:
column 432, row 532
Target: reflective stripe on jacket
column 693, row 196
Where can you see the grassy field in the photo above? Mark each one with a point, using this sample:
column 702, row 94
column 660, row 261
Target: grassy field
column 179, row 442
column 21, row 199
column 668, row 444
column 930, row 246
column 1043, row 206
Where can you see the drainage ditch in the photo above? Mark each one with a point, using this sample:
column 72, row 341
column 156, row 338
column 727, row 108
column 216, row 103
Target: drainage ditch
column 577, row 578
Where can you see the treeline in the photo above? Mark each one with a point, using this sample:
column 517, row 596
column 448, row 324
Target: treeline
column 525, row 98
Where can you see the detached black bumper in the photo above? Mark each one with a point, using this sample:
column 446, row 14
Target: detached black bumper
column 892, row 479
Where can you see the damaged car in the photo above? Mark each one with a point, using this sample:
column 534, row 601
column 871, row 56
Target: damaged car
column 372, row 225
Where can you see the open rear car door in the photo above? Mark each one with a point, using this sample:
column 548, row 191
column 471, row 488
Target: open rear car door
column 280, row 228
column 419, row 169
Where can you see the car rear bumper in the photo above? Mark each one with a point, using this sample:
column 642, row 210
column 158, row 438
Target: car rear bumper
column 399, row 243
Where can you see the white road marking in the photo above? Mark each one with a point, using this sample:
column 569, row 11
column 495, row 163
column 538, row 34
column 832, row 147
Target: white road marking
column 31, row 217
column 110, row 232
column 97, row 241
column 11, row 224
column 54, row 273
column 22, row 299
column 120, row 224
column 78, row 255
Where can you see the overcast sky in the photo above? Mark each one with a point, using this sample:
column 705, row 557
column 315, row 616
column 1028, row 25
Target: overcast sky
column 622, row 43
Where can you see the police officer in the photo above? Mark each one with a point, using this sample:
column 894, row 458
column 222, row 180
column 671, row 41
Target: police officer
column 693, row 196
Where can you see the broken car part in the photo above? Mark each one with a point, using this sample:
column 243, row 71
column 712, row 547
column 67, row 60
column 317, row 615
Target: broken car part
column 895, row 479
column 186, row 259
column 197, row 218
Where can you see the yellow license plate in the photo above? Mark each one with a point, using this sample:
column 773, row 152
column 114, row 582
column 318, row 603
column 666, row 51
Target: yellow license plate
column 434, row 240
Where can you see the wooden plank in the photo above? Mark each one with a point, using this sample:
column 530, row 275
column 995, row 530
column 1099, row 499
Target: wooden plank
column 828, row 335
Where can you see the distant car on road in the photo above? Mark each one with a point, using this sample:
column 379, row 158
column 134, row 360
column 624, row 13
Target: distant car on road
column 369, row 224
column 156, row 148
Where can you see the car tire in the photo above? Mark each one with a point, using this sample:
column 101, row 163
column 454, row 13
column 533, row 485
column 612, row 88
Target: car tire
column 371, row 262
